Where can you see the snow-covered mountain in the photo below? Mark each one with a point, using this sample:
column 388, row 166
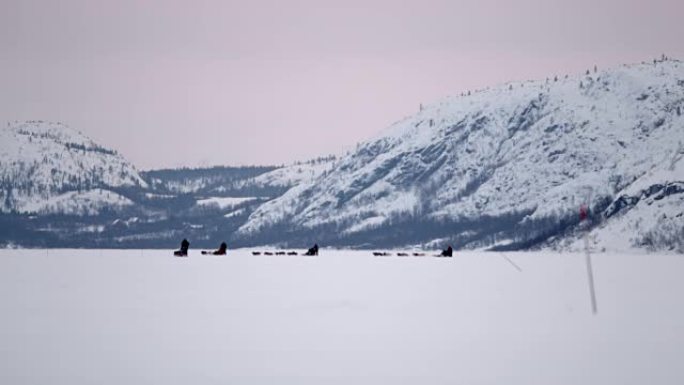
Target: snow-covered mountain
column 56, row 186
column 527, row 154
column 507, row 166
column 50, row 168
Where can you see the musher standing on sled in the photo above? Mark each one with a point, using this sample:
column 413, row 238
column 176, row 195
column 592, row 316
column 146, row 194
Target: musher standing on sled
column 183, row 252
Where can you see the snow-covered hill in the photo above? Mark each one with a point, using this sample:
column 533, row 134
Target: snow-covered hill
column 50, row 168
column 527, row 152
column 292, row 175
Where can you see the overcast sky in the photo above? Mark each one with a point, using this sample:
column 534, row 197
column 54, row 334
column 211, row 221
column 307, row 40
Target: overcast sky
column 171, row 83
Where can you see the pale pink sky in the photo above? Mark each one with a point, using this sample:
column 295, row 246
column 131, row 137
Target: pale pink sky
column 172, row 83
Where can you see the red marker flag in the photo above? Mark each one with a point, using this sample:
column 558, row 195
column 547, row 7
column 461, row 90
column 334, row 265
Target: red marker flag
column 583, row 212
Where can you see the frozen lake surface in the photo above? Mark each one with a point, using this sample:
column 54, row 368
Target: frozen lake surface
column 345, row 317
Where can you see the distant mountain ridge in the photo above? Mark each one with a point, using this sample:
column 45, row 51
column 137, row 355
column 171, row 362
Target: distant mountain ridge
column 212, row 180
column 504, row 168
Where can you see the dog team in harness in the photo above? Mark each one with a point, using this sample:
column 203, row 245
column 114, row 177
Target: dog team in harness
column 313, row 251
column 223, row 249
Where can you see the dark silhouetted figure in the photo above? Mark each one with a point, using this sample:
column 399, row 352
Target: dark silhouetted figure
column 221, row 250
column 183, row 252
column 448, row 252
column 313, row 250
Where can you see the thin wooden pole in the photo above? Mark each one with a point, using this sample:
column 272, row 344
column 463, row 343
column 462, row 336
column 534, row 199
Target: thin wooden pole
column 590, row 275
column 590, row 269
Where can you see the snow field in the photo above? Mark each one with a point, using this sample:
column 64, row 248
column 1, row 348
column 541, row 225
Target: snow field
column 145, row 317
